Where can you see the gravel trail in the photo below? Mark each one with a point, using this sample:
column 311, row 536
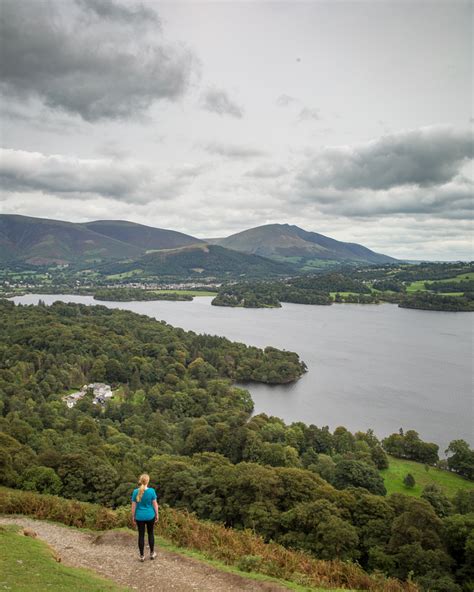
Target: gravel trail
column 114, row 555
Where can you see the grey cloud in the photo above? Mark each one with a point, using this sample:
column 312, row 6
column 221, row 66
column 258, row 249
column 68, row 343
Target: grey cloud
column 450, row 201
column 285, row 100
column 267, row 171
column 64, row 176
column 218, row 101
column 307, row 114
column 107, row 9
column 233, row 150
column 95, row 71
column 423, row 157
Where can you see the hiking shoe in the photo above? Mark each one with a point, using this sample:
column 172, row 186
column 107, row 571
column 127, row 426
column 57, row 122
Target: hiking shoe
column 142, row 558
column 152, row 555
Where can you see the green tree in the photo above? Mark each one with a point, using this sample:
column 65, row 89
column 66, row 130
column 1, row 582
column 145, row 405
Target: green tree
column 42, row 479
column 354, row 473
column 461, row 459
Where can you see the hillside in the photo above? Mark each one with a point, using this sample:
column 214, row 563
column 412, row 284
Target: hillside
column 199, row 260
column 112, row 556
column 144, row 237
column 40, row 241
column 291, row 243
column 226, row 557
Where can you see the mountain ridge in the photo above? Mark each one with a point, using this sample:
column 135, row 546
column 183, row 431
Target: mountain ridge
column 285, row 241
column 43, row 241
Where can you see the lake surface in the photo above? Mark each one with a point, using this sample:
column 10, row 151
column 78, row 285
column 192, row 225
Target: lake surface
column 370, row 366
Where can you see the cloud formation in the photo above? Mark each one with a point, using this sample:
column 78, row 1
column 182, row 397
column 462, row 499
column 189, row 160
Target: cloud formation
column 73, row 62
column 422, row 157
column 418, row 172
column 285, row 100
column 109, row 10
column 308, row 114
column 233, row 150
column 218, row 101
column 122, row 180
column 267, row 171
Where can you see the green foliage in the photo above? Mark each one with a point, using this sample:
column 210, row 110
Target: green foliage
column 429, row 301
column 177, row 416
column 409, row 481
column 461, row 460
column 355, row 473
column 133, row 294
column 42, row 479
column 409, row 445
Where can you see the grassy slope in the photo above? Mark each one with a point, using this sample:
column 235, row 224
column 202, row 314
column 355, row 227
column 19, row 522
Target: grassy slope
column 399, row 468
column 27, row 564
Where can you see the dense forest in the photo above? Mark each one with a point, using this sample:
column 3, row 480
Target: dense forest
column 177, row 415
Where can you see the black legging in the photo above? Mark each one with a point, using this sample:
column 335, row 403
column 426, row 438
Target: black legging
column 141, row 535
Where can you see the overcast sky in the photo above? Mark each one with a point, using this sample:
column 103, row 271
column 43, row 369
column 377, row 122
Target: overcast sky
column 352, row 119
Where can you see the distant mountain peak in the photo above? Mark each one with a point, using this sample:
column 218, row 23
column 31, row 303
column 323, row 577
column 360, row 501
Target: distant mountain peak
column 305, row 248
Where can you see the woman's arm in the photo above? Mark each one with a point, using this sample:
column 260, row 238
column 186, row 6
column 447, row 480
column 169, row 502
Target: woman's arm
column 134, row 506
column 155, row 507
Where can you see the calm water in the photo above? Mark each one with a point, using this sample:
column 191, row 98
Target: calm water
column 370, row 366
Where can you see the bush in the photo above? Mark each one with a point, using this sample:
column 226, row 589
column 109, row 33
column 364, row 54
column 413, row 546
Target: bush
column 249, row 563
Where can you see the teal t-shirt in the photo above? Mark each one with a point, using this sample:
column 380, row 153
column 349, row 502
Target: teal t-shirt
column 144, row 509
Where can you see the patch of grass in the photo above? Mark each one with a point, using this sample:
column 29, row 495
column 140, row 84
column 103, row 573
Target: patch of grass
column 418, row 286
column 398, row 469
column 28, row 564
column 124, row 275
column 343, row 294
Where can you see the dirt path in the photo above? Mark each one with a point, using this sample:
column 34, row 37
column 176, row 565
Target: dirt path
column 115, row 556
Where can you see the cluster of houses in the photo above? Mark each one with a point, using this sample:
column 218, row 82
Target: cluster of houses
column 99, row 390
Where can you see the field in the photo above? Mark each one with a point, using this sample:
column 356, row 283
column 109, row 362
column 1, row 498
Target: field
column 398, row 469
column 28, row 564
column 419, row 286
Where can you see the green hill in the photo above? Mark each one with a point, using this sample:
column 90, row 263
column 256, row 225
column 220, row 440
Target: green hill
column 306, row 249
column 141, row 236
column 199, row 260
column 39, row 241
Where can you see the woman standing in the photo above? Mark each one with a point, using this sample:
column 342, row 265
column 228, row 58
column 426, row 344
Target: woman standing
column 145, row 514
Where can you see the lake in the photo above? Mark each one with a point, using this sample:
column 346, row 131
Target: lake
column 369, row 366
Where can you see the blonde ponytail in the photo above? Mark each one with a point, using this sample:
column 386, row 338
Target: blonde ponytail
column 143, row 482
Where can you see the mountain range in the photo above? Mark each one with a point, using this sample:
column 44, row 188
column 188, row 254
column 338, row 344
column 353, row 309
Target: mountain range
column 118, row 246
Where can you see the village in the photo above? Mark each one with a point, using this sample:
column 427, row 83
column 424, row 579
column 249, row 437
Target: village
column 100, row 391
